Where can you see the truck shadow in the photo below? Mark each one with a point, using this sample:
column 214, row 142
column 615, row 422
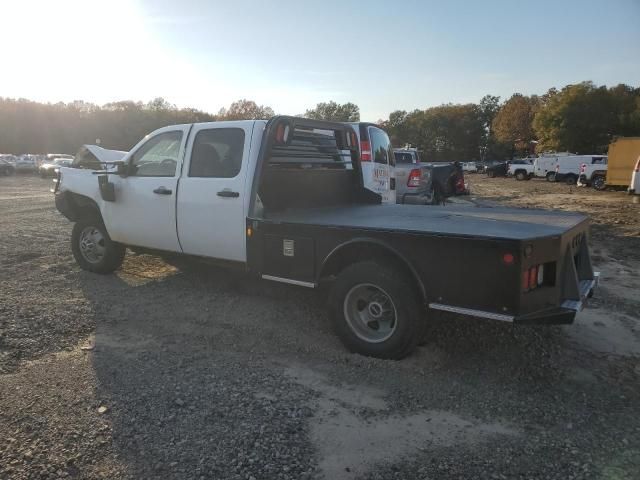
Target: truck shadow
column 190, row 360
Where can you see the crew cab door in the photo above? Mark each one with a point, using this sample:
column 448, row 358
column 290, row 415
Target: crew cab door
column 144, row 213
column 212, row 199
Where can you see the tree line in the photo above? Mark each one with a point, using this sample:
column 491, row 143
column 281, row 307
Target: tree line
column 580, row 118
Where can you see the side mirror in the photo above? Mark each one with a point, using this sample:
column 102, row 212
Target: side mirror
column 122, row 169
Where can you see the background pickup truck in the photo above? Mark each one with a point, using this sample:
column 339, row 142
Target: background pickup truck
column 420, row 183
column 274, row 199
column 521, row 169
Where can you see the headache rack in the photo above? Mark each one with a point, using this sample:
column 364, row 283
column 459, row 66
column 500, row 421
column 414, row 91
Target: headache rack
column 307, row 163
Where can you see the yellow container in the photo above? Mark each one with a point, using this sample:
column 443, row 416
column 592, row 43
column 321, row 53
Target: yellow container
column 623, row 153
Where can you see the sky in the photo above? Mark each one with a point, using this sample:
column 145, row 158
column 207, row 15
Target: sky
column 292, row 54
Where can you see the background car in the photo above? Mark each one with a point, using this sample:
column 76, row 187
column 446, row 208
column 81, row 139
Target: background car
column 469, row 167
column 6, row 168
column 49, row 169
column 496, row 169
column 26, row 164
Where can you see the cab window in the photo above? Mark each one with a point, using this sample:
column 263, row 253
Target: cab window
column 217, row 153
column 158, row 157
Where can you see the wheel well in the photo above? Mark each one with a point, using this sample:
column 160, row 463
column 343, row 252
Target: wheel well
column 358, row 251
column 81, row 206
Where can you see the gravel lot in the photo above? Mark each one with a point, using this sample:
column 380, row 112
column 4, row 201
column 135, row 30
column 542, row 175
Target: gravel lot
column 177, row 370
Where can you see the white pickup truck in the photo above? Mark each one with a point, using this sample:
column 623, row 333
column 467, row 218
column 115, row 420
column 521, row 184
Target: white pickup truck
column 286, row 203
column 521, row 169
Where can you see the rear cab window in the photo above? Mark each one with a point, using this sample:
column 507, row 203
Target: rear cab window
column 217, row 153
column 404, row 158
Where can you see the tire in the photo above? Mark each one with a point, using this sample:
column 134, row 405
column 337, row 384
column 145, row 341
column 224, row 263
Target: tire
column 520, row 176
column 99, row 254
column 599, row 182
column 551, row 177
column 391, row 297
column 570, row 179
column 436, row 196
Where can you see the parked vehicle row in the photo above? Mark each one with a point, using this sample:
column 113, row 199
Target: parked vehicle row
column 617, row 169
column 285, row 202
column 31, row 163
column 559, row 168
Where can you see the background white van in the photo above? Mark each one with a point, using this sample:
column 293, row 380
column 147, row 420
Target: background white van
column 377, row 160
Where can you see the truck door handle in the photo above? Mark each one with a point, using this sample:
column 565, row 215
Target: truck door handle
column 228, row 193
column 162, row 191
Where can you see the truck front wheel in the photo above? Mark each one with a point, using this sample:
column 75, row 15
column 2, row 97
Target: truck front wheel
column 93, row 249
column 376, row 311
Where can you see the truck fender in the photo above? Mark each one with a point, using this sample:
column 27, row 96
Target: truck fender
column 360, row 249
column 75, row 206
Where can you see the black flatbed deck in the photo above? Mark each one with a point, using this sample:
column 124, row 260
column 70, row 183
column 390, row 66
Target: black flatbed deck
column 489, row 222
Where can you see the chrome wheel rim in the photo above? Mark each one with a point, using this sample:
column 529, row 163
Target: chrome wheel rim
column 92, row 245
column 370, row 313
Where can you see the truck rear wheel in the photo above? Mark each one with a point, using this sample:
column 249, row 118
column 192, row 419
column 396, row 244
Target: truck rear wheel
column 521, row 175
column 551, row 177
column 93, row 249
column 376, row 311
column 598, row 182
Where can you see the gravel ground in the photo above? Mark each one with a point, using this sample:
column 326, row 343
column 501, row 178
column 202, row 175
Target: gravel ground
column 177, row 370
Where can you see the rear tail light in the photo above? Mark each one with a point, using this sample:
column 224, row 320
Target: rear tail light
column 365, row 151
column 414, row 178
column 533, row 278
column 282, row 133
column 557, row 168
column 460, row 184
column 583, row 167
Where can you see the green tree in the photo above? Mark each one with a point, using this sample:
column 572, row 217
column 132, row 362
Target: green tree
column 245, row 110
column 489, row 107
column 513, row 124
column 580, row 118
column 332, row 111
